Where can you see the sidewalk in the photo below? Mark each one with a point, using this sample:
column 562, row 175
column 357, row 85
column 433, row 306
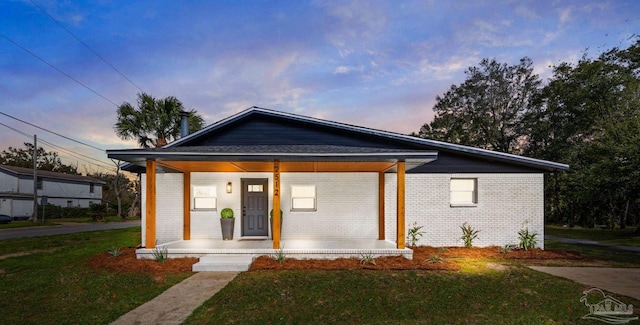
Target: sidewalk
column 178, row 302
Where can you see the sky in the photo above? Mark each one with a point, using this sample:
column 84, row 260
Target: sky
column 378, row 64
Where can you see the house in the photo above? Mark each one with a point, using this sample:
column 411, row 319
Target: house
column 343, row 189
column 65, row 190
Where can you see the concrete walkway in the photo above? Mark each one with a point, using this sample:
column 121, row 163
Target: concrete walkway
column 178, row 302
column 623, row 281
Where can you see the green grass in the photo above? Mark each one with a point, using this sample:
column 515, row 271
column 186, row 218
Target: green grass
column 25, row 224
column 614, row 257
column 623, row 237
column 53, row 284
column 515, row 296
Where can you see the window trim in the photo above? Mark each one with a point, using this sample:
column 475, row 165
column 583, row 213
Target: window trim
column 462, row 204
column 314, row 198
column 205, row 194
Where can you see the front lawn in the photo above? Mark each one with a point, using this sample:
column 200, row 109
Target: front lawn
column 515, row 295
column 47, row 280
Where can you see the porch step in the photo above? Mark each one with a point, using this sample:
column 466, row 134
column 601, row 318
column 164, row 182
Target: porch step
column 222, row 263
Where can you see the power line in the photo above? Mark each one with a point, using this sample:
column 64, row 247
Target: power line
column 58, row 134
column 57, row 69
column 87, row 46
column 70, row 152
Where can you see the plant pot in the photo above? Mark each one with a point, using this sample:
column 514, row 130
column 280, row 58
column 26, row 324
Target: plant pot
column 271, row 223
column 227, row 225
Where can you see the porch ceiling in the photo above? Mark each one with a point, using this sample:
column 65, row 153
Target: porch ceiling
column 285, row 166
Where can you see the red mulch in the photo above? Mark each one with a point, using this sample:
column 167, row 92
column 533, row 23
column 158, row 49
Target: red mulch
column 423, row 259
column 127, row 262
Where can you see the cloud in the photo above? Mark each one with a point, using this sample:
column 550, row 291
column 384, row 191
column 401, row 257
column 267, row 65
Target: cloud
column 526, row 13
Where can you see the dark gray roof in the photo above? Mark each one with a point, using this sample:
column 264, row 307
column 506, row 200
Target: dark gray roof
column 174, row 148
column 21, row 171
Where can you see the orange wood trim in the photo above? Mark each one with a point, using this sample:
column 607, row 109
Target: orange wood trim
column 150, row 221
column 400, row 217
column 186, row 211
column 381, row 206
column 276, row 205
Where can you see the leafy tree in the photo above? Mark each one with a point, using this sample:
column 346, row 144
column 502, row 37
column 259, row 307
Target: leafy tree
column 118, row 189
column 486, row 110
column 154, row 122
column 589, row 118
column 46, row 160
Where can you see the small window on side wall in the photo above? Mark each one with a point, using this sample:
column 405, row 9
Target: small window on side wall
column 464, row 192
column 303, row 198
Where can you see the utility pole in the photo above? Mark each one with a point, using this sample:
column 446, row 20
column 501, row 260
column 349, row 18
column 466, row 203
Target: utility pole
column 35, row 178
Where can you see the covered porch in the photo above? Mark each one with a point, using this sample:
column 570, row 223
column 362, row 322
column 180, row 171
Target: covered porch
column 291, row 248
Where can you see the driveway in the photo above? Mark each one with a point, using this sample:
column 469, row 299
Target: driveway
column 65, row 228
column 623, row 281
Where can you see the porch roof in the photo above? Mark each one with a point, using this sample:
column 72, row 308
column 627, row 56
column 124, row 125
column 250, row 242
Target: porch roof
column 258, row 158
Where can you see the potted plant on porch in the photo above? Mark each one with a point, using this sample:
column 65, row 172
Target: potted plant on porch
column 271, row 222
column 227, row 221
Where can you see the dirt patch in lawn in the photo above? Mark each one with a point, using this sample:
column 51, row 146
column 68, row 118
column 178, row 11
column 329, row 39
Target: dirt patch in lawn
column 424, row 258
column 127, row 262
column 17, row 254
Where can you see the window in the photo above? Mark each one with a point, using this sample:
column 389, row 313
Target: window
column 204, row 197
column 39, row 183
column 303, row 198
column 255, row 188
column 464, row 191
column 69, row 203
column 91, row 187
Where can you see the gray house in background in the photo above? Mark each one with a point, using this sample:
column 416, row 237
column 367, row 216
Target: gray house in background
column 65, row 190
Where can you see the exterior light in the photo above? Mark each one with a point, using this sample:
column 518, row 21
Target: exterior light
column 228, row 187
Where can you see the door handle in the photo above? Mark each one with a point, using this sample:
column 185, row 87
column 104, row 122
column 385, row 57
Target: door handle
column 244, row 211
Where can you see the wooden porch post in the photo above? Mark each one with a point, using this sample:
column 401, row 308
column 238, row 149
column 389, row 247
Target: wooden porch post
column 276, row 205
column 381, row 206
column 150, row 219
column 400, row 216
column 186, row 213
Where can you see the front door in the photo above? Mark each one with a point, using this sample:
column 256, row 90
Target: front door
column 255, row 197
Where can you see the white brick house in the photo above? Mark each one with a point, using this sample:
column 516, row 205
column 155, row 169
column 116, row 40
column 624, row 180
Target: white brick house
column 335, row 182
column 65, row 190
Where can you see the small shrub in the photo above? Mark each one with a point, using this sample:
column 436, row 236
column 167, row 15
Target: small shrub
column 115, row 251
column 160, row 254
column 443, row 249
column 279, row 256
column 414, row 234
column 507, row 249
column 468, row 234
column 435, row 259
column 527, row 239
column 367, row 259
column 226, row 213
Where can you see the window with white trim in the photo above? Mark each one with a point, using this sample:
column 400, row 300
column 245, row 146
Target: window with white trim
column 464, row 191
column 303, row 198
column 205, row 197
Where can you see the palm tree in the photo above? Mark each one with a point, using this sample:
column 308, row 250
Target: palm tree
column 155, row 122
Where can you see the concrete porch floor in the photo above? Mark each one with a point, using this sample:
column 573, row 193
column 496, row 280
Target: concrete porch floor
column 292, row 248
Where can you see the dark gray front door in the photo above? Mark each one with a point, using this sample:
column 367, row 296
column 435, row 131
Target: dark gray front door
column 255, row 219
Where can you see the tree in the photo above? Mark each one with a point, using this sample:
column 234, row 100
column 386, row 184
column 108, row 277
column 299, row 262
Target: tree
column 47, row 160
column 589, row 118
column 118, row 188
column 486, row 110
column 154, row 122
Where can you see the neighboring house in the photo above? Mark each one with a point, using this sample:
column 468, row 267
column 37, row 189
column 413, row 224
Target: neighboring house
column 333, row 182
column 65, row 190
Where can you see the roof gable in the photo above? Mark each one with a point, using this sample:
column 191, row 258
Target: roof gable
column 268, row 127
column 28, row 172
column 260, row 128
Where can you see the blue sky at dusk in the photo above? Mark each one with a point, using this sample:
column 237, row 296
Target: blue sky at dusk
column 378, row 64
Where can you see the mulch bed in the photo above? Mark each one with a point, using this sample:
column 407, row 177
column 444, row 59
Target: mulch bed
column 424, row 258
